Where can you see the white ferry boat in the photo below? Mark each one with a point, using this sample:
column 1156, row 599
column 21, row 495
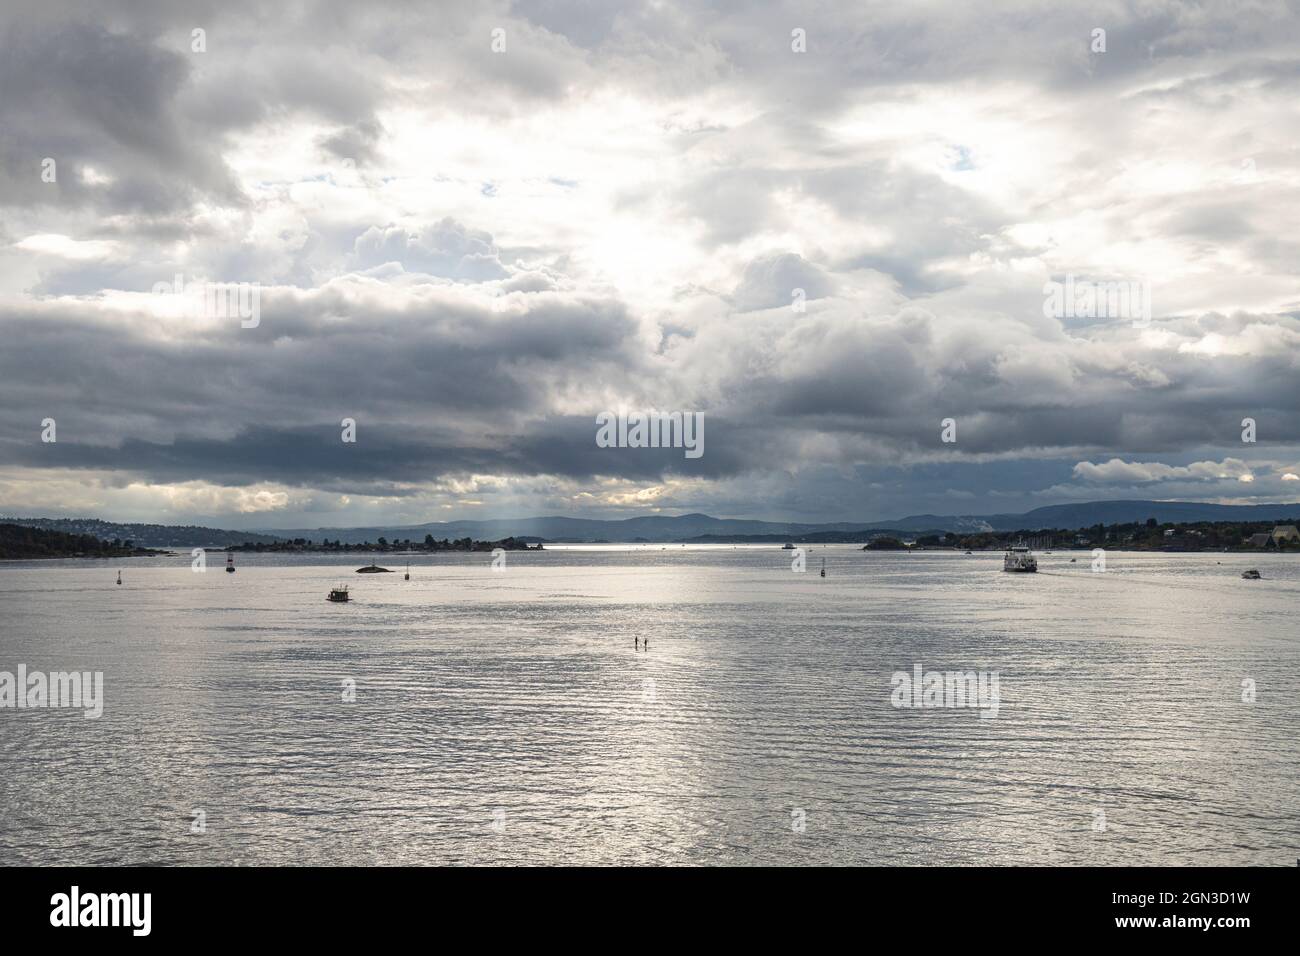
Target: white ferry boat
column 1019, row 558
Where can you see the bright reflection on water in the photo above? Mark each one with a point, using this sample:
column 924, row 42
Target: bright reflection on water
column 763, row 692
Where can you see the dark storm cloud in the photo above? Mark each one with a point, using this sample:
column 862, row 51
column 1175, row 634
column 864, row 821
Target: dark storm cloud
column 313, row 357
column 384, row 456
column 880, row 388
column 441, row 389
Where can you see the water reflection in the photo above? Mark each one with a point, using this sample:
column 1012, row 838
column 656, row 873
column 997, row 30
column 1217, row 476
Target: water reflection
column 506, row 717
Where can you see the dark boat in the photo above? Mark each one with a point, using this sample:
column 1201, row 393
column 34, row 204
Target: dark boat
column 374, row 569
column 1251, row 575
column 339, row 595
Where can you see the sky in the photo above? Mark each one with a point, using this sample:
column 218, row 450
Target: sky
column 471, row 228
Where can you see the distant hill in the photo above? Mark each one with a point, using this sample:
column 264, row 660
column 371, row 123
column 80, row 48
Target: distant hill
column 665, row 528
column 656, row 528
column 20, row 542
column 1119, row 512
column 146, row 535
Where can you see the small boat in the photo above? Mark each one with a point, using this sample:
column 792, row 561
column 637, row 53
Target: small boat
column 374, row 569
column 1019, row 558
column 230, row 563
column 788, row 546
column 1074, row 560
column 969, row 552
column 1250, row 575
column 119, row 577
column 339, row 594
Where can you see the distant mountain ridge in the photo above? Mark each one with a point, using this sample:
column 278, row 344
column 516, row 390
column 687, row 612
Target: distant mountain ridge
column 673, row 528
column 665, row 528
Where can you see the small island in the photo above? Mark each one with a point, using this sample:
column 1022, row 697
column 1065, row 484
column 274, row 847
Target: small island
column 884, row 543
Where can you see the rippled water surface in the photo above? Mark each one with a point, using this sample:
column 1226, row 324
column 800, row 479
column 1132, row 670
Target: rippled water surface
column 506, row 717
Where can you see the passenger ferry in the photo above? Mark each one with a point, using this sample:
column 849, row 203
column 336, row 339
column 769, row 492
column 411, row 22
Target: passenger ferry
column 1019, row 558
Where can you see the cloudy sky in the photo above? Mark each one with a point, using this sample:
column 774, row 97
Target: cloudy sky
column 474, row 251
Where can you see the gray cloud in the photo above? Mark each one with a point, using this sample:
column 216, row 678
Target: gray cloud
column 95, row 100
column 770, row 281
column 472, row 253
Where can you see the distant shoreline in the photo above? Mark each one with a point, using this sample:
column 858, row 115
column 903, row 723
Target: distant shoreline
column 25, row 543
column 641, row 545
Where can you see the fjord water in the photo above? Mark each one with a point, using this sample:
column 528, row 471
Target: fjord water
column 505, row 717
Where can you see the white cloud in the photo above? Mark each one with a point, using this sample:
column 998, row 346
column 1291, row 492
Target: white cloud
column 65, row 247
column 1119, row 471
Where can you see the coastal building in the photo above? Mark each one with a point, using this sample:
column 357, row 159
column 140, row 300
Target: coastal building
column 1285, row 532
column 1260, row 540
